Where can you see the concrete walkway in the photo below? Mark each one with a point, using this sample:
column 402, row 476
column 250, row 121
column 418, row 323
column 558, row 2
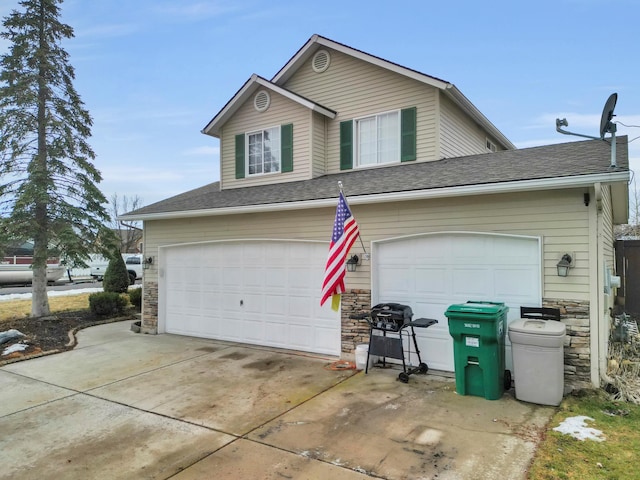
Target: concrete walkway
column 124, row 406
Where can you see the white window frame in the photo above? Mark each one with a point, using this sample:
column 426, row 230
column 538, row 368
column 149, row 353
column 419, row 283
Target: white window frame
column 357, row 145
column 491, row 147
column 262, row 164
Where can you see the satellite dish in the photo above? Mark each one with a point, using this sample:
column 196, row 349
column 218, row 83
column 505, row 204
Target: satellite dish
column 607, row 114
column 606, row 126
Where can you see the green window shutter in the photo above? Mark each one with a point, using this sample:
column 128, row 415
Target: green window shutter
column 240, row 156
column 286, row 148
column 408, row 134
column 346, row 145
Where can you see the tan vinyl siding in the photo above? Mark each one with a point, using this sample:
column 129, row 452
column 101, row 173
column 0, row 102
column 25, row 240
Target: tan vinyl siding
column 558, row 217
column 281, row 111
column 355, row 88
column 608, row 237
column 318, row 145
column 459, row 135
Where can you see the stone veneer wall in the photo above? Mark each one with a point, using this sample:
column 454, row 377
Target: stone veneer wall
column 577, row 346
column 150, row 308
column 354, row 331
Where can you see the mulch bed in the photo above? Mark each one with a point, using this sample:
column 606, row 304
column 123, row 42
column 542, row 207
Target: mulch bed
column 52, row 334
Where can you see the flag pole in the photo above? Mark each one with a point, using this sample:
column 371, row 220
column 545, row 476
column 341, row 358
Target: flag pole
column 340, row 186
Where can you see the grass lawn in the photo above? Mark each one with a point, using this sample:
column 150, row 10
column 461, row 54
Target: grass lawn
column 15, row 309
column 561, row 456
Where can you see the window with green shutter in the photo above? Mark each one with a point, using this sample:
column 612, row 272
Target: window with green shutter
column 264, row 151
column 384, row 138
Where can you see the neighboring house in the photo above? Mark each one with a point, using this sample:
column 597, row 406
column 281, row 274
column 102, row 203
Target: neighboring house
column 448, row 210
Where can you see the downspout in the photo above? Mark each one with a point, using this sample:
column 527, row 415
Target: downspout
column 594, row 282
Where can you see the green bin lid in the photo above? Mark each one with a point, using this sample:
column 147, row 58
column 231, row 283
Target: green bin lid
column 478, row 307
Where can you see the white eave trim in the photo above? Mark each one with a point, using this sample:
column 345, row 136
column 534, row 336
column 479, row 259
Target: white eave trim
column 468, row 190
column 249, row 87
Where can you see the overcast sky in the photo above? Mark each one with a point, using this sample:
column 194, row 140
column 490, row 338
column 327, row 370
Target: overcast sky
column 153, row 73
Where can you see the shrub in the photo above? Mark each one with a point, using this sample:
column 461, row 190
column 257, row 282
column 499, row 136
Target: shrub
column 135, row 297
column 107, row 303
column 116, row 277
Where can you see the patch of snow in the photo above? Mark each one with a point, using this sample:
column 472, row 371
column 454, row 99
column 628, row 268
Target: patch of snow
column 16, row 347
column 57, row 293
column 577, row 428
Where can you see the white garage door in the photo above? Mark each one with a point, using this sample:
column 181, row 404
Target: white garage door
column 431, row 272
column 258, row 292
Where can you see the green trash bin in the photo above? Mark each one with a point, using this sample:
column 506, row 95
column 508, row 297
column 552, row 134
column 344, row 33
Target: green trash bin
column 478, row 331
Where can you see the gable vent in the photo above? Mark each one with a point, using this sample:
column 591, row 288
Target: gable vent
column 320, row 61
column 261, row 101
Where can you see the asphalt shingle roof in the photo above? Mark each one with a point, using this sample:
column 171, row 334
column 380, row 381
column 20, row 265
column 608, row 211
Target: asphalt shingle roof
column 536, row 163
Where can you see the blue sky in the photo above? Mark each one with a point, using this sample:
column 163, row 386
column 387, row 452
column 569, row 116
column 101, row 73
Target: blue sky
column 152, row 73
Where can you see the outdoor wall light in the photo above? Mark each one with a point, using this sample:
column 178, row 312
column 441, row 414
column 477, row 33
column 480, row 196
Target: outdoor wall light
column 352, row 263
column 148, row 261
column 564, row 265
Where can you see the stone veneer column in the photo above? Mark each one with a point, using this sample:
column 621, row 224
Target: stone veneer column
column 150, row 308
column 354, row 331
column 577, row 349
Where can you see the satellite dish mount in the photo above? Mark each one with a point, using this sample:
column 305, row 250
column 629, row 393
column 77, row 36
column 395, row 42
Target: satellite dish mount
column 606, row 126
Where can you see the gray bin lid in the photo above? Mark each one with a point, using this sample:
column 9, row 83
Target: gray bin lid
column 538, row 327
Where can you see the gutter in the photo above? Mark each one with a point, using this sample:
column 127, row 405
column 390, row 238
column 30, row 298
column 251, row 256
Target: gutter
column 481, row 189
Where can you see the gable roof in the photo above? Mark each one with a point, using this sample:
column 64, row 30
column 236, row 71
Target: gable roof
column 565, row 165
column 449, row 89
column 308, row 49
column 249, row 88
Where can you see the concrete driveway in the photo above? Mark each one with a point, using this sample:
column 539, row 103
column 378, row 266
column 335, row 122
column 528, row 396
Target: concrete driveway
column 123, row 405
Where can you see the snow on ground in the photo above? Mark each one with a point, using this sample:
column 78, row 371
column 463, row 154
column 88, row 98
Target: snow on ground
column 17, row 347
column 577, row 428
column 55, row 293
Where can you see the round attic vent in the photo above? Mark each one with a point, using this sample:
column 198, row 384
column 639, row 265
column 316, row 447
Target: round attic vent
column 261, row 101
column 320, row 61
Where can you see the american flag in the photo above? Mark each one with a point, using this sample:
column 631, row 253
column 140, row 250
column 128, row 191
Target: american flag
column 345, row 232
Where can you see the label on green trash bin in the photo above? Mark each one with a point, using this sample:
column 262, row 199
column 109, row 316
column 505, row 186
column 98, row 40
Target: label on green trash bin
column 471, row 325
column 472, row 341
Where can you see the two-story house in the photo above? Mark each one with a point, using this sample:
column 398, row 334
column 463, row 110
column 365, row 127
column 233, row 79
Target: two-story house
column 448, row 211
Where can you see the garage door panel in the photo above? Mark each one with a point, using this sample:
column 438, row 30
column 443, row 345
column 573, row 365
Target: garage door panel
column 275, row 278
column 275, row 305
column 471, row 282
column 431, row 280
column 211, row 276
column 253, row 279
column 277, row 282
column 513, row 282
column 431, row 272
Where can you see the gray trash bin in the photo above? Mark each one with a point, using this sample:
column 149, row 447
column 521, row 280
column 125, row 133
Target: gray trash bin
column 537, row 347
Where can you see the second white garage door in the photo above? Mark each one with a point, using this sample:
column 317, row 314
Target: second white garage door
column 431, row 272
column 258, row 292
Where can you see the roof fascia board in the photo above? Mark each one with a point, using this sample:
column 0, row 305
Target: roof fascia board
column 246, row 90
column 482, row 189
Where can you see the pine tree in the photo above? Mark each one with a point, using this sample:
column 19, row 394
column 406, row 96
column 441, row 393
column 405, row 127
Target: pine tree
column 116, row 277
column 48, row 183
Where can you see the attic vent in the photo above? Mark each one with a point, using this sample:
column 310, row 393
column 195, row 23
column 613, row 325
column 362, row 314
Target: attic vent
column 320, row 61
column 261, row 101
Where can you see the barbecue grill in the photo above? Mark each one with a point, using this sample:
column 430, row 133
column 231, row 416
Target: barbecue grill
column 390, row 325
